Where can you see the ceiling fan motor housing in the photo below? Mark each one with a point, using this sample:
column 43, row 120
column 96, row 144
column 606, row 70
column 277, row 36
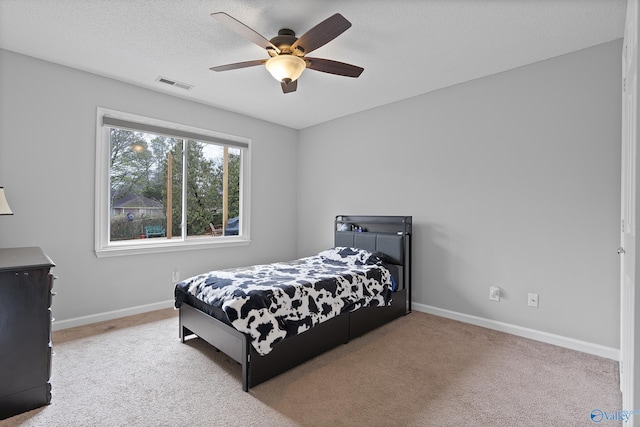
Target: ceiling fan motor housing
column 283, row 41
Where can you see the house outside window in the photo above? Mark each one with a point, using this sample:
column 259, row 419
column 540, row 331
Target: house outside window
column 163, row 186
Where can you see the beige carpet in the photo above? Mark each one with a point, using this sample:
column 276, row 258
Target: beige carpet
column 420, row 370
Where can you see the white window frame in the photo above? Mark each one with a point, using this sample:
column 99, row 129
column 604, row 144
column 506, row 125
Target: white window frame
column 105, row 248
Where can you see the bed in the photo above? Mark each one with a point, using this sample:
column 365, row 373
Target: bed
column 289, row 312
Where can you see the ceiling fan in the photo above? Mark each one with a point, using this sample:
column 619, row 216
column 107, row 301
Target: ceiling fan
column 287, row 52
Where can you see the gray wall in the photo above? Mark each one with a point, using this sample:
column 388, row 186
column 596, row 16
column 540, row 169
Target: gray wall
column 513, row 179
column 47, row 163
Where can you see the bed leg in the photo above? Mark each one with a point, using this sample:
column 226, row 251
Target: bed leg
column 246, row 350
column 182, row 331
column 180, row 327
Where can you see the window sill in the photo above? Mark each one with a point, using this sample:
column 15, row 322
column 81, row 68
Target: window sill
column 164, row 245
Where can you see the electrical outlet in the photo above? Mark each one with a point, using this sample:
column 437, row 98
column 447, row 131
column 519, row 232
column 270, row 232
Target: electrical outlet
column 494, row 293
column 175, row 276
column 532, row 300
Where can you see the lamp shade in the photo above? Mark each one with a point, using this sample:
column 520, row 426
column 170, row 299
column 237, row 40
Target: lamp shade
column 4, row 206
column 286, row 68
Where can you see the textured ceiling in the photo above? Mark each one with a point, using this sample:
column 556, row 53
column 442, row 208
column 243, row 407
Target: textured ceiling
column 407, row 48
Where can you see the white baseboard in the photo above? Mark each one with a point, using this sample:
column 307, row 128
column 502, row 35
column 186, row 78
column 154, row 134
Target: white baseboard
column 573, row 344
column 109, row 315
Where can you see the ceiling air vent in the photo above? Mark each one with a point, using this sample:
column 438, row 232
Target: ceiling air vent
column 173, row 83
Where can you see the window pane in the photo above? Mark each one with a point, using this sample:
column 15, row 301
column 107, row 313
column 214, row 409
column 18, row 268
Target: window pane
column 212, row 188
column 138, row 184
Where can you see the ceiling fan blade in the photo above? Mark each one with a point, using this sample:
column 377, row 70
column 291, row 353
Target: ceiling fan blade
column 237, row 65
column 289, row 87
column 333, row 67
column 234, row 25
column 322, row 33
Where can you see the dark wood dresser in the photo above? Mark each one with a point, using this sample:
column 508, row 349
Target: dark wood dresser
column 25, row 330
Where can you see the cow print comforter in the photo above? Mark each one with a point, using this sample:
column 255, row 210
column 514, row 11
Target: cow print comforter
column 273, row 301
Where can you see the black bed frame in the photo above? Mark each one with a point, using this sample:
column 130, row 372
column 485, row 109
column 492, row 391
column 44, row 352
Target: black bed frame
column 390, row 235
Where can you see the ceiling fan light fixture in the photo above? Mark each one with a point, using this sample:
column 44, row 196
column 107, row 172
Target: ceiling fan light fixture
column 286, row 68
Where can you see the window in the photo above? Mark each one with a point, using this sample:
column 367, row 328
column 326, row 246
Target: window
column 163, row 186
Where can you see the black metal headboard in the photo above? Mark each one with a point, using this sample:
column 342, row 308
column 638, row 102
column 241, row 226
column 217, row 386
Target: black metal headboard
column 390, row 235
column 387, row 234
column 392, row 245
